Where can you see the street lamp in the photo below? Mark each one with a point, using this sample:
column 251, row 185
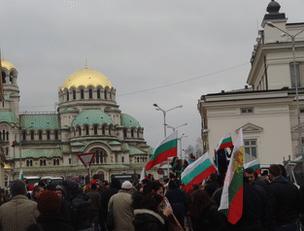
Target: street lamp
column 158, row 108
column 177, row 127
column 180, row 145
column 293, row 40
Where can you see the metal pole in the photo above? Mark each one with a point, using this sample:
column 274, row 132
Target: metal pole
column 297, row 80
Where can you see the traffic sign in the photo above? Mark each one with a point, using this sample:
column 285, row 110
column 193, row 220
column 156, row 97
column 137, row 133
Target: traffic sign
column 86, row 158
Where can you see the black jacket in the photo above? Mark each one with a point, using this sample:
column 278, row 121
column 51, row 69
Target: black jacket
column 285, row 200
column 50, row 223
column 148, row 220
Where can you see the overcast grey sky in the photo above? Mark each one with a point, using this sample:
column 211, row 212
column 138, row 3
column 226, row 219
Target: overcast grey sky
column 137, row 44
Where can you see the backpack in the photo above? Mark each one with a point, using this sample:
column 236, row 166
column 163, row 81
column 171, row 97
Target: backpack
column 81, row 212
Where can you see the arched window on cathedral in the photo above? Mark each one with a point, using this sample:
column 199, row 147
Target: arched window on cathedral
column 95, row 128
column 32, row 135
column 11, row 76
column 56, row 134
column 0, row 135
column 125, row 131
column 67, row 95
column 81, row 94
column 56, row 161
column 29, row 163
column 40, row 134
column 7, row 136
column 132, row 133
column 86, row 127
column 98, row 93
column 79, row 131
column 74, row 94
column 103, row 129
column 106, row 93
column 48, row 135
column 90, row 93
column 3, row 77
column 43, row 162
column 3, row 134
column 100, row 156
column 24, row 135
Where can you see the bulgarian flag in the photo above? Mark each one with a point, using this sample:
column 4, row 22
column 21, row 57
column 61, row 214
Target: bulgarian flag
column 225, row 142
column 197, row 172
column 254, row 164
column 166, row 149
column 232, row 195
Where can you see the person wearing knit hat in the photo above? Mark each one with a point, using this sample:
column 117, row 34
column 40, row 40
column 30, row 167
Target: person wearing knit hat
column 127, row 185
column 49, row 219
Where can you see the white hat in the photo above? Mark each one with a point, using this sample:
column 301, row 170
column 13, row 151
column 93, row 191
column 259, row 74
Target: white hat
column 126, row 185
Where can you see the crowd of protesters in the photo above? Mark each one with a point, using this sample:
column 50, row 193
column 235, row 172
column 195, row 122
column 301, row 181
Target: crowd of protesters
column 270, row 203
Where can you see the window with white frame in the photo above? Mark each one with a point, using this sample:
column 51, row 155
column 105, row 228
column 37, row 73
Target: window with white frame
column 296, row 73
column 246, row 110
column 250, row 149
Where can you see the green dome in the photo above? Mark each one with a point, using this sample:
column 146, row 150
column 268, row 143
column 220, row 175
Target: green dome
column 91, row 117
column 129, row 121
column 9, row 117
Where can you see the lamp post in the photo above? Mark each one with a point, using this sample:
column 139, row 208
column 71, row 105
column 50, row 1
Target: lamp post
column 181, row 145
column 177, row 127
column 297, row 78
column 158, row 108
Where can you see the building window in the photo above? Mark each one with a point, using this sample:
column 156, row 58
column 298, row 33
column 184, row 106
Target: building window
column 32, row 135
column 98, row 93
column 132, row 133
column 295, row 74
column 250, row 149
column 29, row 163
column 3, row 134
column 82, row 94
column 87, row 130
column 79, row 131
column 40, row 134
column 70, row 161
column 246, row 110
column 48, row 135
column 7, row 135
column 42, row 162
column 95, row 128
column 125, row 131
column 68, row 95
column 74, row 94
column 103, row 129
column 90, row 93
column 3, row 77
column 56, row 134
column 122, row 159
column 56, row 161
column 24, row 135
column 100, row 156
column 105, row 94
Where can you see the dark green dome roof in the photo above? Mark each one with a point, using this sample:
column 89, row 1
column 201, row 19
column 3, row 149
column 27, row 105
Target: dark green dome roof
column 129, row 121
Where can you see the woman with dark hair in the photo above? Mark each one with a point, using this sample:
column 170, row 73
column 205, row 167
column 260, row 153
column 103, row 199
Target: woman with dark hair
column 204, row 213
column 150, row 215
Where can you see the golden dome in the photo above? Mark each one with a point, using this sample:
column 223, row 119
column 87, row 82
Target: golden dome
column 7, row 65
column 87, row 77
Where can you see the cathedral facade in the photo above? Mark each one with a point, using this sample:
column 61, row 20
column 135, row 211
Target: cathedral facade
column 88, row 120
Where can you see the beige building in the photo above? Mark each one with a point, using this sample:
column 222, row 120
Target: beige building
column 267, row 108
column 88, row 119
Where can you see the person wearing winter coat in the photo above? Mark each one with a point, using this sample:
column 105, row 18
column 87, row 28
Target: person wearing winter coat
column 20, row 212
column 49, row 219
column 149, row 213
column 120, row 206
column 285, row 200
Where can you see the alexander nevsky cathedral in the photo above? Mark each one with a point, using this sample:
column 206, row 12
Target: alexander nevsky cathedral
column 87, row 120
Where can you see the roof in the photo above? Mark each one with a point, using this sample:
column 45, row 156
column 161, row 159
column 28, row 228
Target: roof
column 91, row 117
column 135, row 151
column 7, row 65
column 87, row 77
column 7, row 116
column 114, row 142
column 129, row 121
column 39, row 121
column 38, row 153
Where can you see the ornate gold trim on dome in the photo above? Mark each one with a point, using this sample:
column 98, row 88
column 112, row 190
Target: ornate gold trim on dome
column 6, row 64
column 86, row 77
